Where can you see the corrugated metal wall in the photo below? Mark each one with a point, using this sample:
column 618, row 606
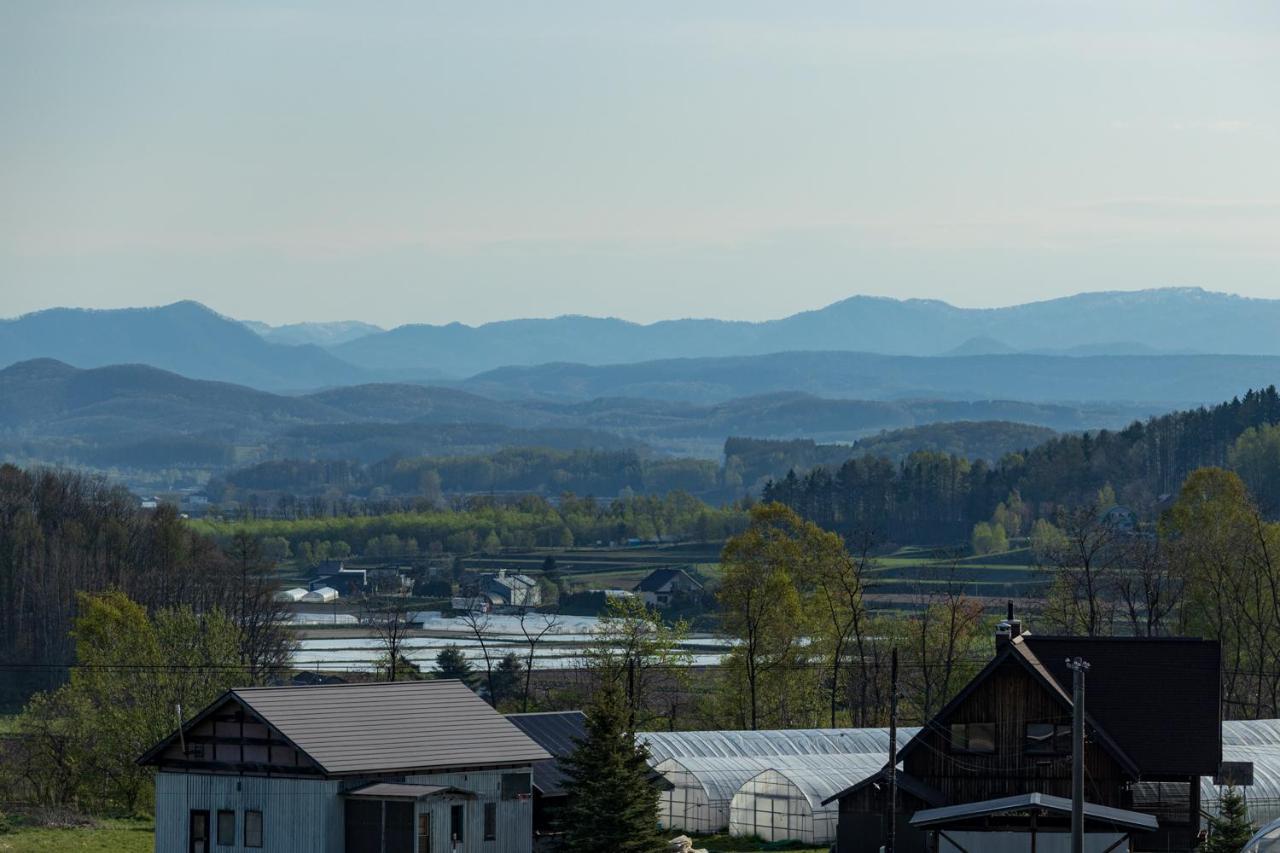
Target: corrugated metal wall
column 297, row 814
column 514, row 817
column 306, row 815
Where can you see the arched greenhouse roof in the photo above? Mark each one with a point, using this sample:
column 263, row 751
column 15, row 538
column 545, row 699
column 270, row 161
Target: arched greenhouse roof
column 778, row 742
column 722, row 777
column 1251, row 733
column 818, row 778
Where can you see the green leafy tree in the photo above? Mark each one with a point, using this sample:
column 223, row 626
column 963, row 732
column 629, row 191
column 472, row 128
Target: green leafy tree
column 634, row 649
column 612, row 805
column 1231, row 828
column 133, row 671
column 989, row 538
column 759, row 599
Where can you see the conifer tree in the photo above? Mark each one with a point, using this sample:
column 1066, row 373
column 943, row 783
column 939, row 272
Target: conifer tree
column 452, row 663
column 612, row 804
column 1231, row 829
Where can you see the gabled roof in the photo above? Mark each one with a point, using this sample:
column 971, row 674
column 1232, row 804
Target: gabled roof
column 1016, row 651
column 382, row 727
column 1093, row 813
column 1148, row 693
column 557, row 732
column 659, row 578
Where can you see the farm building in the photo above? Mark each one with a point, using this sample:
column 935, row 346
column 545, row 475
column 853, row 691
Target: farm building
column 703, row 788
column 1152, row 715
column 557, row 732
column 389, row 767
column 321, row 595
column 291, row 595
column 786, row 802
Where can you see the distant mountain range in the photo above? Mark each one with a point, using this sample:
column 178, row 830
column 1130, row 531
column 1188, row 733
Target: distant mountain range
column 194, row 341
column 185, row 337
column 1179, row 320
column 320, row 334
column 133, row 416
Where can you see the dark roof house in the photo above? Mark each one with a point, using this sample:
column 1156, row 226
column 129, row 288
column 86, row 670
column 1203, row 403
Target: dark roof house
column 1151, row 715
column 345, row 769
column 661, row 585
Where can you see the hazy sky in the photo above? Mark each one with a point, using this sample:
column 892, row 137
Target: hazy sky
column 428, row 162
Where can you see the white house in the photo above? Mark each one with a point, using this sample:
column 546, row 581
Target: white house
column 388, row 767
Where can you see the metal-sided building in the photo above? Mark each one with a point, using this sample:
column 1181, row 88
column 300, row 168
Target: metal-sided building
column 392, row 767
column 558, row 732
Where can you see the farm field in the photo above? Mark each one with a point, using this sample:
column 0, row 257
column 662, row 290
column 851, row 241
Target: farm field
column 111, row 836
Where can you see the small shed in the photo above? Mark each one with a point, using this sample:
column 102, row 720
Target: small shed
column 787, row 803
column 321, row 595
column 291, row 595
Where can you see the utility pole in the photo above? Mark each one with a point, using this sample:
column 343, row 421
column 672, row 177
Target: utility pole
column 893, row 752
column 1078, row 667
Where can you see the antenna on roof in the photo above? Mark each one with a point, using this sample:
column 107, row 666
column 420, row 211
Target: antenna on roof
column 182, row 739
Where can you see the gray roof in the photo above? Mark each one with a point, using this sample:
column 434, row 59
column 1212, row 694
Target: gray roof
column 391, row 726
column 554, row 731
column 1118, row 818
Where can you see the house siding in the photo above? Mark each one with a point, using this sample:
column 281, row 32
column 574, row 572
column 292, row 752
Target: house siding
column 1010, row 699
column 307, row 815
column 297, row 814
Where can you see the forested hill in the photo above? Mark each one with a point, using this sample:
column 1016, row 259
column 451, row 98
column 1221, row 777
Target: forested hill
column 938, row 497
column 137, row 417
column 1171, row 380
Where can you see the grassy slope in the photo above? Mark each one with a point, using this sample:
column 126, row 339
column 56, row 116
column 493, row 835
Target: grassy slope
column 114, row 836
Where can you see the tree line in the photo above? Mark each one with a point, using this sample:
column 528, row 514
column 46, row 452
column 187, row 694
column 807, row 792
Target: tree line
column 936, row 497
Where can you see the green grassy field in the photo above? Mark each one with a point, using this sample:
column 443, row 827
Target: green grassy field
column 112, row 836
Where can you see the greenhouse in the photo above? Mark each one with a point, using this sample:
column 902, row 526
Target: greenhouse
column 703, row 789
column 727, row 744
column 786, row 803
column 1267, row 840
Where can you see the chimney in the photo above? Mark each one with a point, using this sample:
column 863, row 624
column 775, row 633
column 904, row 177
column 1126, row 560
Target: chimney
column 1007, row 629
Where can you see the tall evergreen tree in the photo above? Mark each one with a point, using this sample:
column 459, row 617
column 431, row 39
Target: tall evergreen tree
column 452, row 663
column 612, row 804
column 1231, row 829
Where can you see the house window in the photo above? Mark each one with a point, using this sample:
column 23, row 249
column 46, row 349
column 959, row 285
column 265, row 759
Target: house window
column 973, row 737
column 490, row 821
column 1048, row 739
column 252, row 829
column 514, row 785
column 195, row 750
column 226, row 828
column 456, row 815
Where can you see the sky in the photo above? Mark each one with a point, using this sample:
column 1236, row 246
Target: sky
column 400, row 162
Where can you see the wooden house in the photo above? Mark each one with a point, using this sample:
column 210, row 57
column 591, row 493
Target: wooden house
column 662, row 586
column 1152, row 715
column 390, row 767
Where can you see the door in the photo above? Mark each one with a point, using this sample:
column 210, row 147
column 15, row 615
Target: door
column 424, row 832
column 198, row 832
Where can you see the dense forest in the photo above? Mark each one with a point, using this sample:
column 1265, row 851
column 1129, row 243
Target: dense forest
column 62, row 533
column 935, row 497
